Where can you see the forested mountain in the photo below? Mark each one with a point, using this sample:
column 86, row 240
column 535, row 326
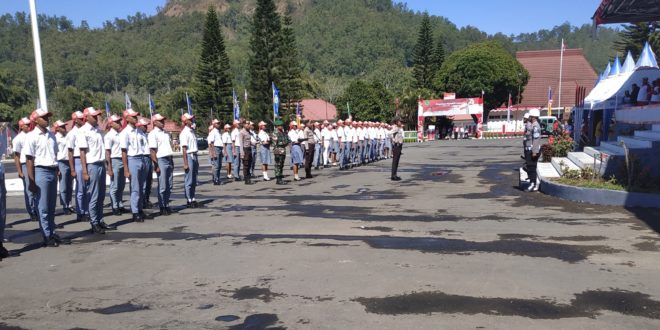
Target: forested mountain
column 338, row 41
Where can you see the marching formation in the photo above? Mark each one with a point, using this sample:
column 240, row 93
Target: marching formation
column 78, row 160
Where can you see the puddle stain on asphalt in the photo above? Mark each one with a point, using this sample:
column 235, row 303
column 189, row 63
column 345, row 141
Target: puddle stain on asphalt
column 249, row 292
column 227, row 318
column 563, row 252
column 585, row 304
column 118, row 309
column 258, row 321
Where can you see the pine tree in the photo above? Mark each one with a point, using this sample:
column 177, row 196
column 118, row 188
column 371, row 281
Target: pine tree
column 423, row 56
column 291, row 77
column 438, row 58
column 213, row 77
column 634, row 36
column 265, row 58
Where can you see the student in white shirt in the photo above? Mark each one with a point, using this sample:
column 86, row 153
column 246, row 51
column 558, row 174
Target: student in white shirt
column 115, row 165
column 133, row 144
column 66, row 180
column 318, row 156
column 326, row 141
column 19, row 160
column 334, row 138
column 162, row 158
column 143, row 126
column 341, row 135
column 82, row 205
column 190, row 161
column 40, row 149
column 264, row 149
column 236, row 142
column 296, row 149
column 216, row 150
column 92, row 158
column 228, row 149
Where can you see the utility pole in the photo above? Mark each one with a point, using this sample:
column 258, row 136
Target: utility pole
column 37, row 55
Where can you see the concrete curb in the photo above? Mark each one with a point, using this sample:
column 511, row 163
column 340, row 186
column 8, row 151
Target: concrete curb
column 599, row 196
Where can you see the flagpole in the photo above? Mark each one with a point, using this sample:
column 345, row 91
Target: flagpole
column 37, row 55
column 561, row 67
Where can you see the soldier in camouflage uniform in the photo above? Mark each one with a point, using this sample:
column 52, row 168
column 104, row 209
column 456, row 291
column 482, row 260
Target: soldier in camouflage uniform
column 280, row 140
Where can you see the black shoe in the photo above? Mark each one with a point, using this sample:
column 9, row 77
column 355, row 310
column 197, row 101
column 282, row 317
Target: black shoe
column 71, row 210
column 137, row 217
column 3, row 252
column 86, row 218
column 396, row 178
column 96, row 229
column 116, row 212
column 60, row 240
column 67, row 211
column 51, row 242
column 123, row 210
column 106, row 226
column 34, row 217
column 249, row 182
column 146, row 216
column 148, row 205
column 237, row 179
column 169, row 210
column 195, row 204
column 309, row 176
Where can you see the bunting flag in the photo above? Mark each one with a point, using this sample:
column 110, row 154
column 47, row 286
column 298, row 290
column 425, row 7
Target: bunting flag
column 549, row 101
column 237, row 107
column 298, row 114
column 107, row 109
column 276, row 101
column 508, row 109
column 190, row 111
column 152, row 107
column 128, row 101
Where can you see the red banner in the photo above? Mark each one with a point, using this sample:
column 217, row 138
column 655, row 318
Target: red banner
column 469, row 106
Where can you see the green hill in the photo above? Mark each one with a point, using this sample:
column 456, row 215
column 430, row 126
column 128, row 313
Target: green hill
column 338, row 40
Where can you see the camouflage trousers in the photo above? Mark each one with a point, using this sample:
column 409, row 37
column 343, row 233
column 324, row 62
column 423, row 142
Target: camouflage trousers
column 279, row 165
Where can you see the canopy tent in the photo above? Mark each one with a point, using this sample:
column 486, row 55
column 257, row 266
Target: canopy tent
column 609, row 91
column 626, row 11
column 449, row 107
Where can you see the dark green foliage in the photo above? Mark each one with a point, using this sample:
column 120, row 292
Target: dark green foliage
column 487, row 67
column 265, row 58
column 213, row 85
column 14, row 98
column 290, row 83
column 368, row 101
column 634, row 36
column 438, row 58
column 423, row 64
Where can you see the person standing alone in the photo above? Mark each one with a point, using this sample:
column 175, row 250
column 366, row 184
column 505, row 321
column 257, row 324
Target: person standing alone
column 397, row 146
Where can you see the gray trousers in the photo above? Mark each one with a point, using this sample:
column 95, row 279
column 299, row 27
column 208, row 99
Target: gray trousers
column 148, row 178
column 82, row 204
column 46, row 180
column 96, row 191
column 30, row 198
column 165, row 180
column 137, row 171
column 66, row 183
column 190, row 178
column 3, row 203
column 318, row 157
column 236, row 168
column 117, row 184
column 217, row 164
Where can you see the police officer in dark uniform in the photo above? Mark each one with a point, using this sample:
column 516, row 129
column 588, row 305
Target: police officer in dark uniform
column 397, row 145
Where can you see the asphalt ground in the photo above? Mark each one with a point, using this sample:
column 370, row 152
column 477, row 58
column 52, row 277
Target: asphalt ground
column 453, row 246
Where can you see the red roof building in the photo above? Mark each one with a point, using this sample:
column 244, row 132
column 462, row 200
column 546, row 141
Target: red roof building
column 318, row 110
column 543, row 67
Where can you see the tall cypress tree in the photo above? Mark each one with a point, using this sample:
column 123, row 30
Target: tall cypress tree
column 291, row 76
column 213, row 76
column 438, row 58
column 634, row 36
column 423, row 56
column 265, row 58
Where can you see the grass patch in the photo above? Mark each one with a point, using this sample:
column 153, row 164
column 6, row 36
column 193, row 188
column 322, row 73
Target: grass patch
column 596, row 184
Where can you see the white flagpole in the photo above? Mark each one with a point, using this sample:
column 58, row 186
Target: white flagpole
column 561, row 67
column 37, row 55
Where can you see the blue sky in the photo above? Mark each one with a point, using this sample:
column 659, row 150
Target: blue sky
column 492, row 16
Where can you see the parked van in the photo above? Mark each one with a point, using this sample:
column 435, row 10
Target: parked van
column 546, row 123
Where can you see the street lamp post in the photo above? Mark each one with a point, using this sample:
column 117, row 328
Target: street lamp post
column 37, row 55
